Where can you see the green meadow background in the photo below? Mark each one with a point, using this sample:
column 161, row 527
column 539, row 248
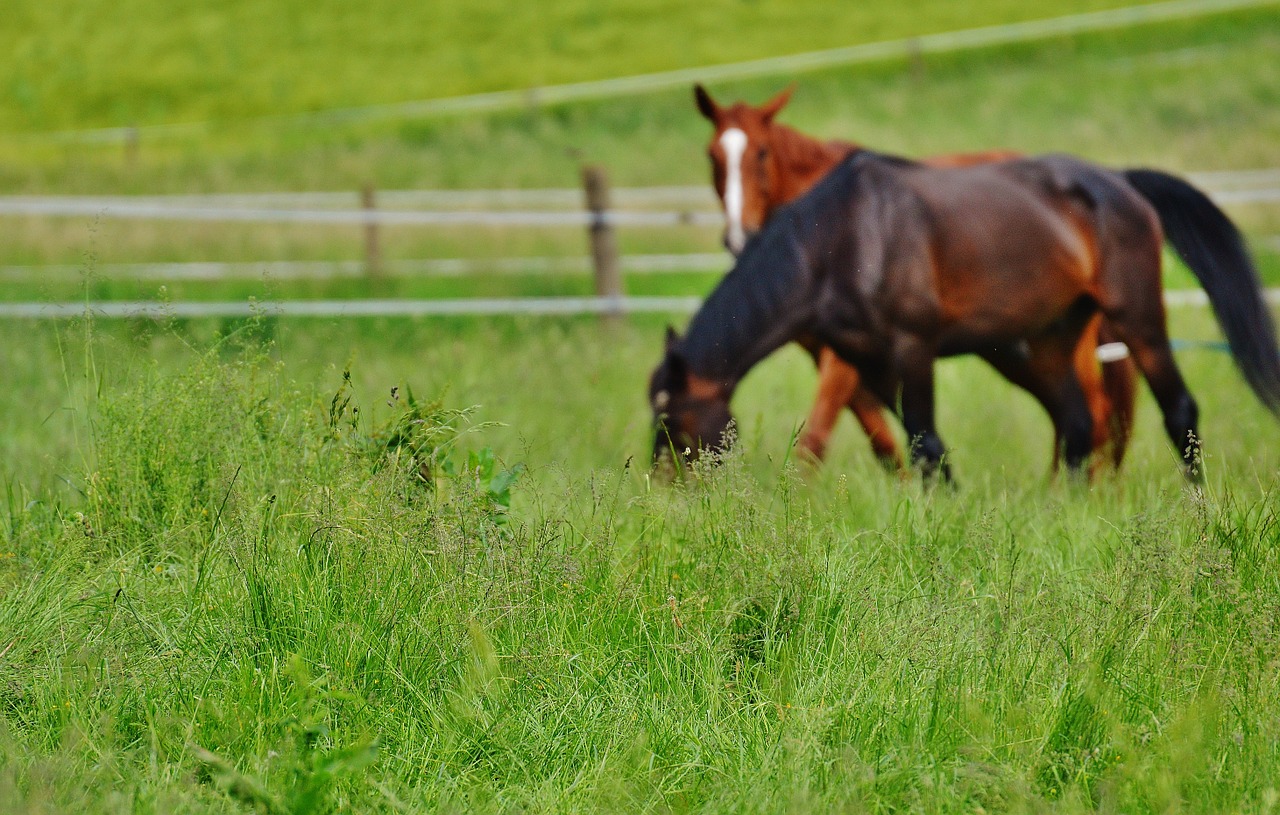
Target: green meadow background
column 420, row 565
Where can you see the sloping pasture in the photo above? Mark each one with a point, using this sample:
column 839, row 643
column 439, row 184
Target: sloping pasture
column 420, row 565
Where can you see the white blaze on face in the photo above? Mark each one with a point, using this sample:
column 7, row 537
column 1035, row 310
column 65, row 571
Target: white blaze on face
column 734, row 142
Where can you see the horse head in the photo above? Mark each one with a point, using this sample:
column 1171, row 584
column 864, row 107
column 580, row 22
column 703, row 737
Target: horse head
column 743, row 162
column 690, row 413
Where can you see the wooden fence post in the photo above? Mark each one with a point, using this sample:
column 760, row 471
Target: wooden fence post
column 372, row 248
column 604, row 247
column 130, row 148
column 915, row 56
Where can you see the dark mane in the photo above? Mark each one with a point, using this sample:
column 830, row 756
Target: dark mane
column 769, row 295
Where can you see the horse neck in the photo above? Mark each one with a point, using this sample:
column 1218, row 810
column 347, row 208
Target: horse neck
column 801, row 160
column 763, row 303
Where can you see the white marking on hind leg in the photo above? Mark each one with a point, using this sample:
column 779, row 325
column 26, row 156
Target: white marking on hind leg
column 1112, row 352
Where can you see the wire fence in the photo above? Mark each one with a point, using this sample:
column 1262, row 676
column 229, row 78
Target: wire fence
column 646, row 264
column 463, row 307
column 560, row 208
column 697, row 197
column 699, row 209
column 469, row 306
column 694, row 197
column 118, row 209
column 697, row 206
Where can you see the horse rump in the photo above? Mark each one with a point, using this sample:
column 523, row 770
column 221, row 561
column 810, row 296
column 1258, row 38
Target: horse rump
column 1212, row 247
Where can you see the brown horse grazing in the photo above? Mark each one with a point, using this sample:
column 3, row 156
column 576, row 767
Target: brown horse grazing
column 758, row 165
column 892, row 264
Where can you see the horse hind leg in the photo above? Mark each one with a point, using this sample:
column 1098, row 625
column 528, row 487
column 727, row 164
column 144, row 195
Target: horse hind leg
column 1075, row 402
column 1154, row 356
column 1044, row 368
column 1078, row 425
column 1089, row 374
column 1107, row 380
column 1119, row 385
column 1133, row 303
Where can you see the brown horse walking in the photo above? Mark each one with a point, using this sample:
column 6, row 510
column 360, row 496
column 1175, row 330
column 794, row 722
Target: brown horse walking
column 758, row 165
column 892, row 263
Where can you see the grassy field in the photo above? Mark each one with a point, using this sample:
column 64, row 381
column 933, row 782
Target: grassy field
column 1196, row 94
column 1193, row 95
column 226, row 585
column 143, row 62
column 397, row 565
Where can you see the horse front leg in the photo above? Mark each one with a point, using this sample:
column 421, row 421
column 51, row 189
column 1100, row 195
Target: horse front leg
column 840, row 385
column 914, row 360
column 837, row 382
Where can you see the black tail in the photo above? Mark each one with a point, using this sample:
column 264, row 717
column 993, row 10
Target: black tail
column 1209, row 243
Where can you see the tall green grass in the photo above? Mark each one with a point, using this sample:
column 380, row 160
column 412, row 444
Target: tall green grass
column 272, row 587
column 240, row 572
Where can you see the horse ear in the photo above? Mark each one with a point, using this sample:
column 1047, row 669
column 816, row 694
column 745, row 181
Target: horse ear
column 777, row 103
column 672, row 338
column 706, row 105
column 669, row 379
column 677, row 371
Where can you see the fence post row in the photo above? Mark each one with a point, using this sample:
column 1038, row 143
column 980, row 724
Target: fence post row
column 604, row 246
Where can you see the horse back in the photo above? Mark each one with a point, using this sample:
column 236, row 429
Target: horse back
column 1010, row 243
column 1001, row 217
